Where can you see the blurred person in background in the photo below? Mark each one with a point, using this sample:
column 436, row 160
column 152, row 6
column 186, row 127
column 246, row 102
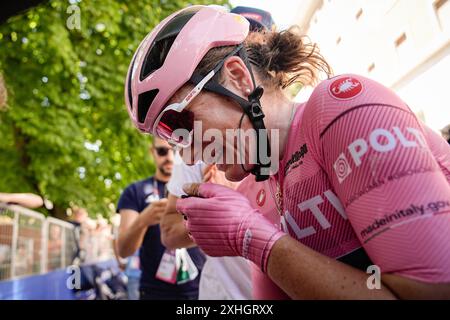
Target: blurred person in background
column 131, row 268
column 85, row 236
column 89, row 242
column 79, row 218
column 104, row 236
column 141, row 207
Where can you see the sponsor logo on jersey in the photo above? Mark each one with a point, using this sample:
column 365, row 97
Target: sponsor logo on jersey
column 342, row 167
column 246, row 243
column 345, row 88
column 296, row 158
column 383, row 223
column 381, row 141
column 312, row 206
column 261, row 197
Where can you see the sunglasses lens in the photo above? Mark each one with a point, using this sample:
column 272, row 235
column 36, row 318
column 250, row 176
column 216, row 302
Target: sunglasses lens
column 162, row 152
column 176, row 126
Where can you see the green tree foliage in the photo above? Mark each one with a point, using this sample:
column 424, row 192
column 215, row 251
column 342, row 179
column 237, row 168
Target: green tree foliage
column 65, row 133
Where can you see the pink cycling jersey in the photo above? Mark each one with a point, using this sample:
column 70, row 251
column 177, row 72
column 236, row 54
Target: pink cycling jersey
column 362, row 175
column 261, row 197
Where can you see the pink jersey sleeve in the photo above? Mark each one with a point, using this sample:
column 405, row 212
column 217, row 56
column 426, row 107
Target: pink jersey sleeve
column 389, row 171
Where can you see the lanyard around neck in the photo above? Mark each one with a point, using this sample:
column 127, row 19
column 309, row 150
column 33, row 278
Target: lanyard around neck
column 155, row 188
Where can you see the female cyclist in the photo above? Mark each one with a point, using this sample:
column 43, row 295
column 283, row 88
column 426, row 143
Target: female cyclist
column 361, row 186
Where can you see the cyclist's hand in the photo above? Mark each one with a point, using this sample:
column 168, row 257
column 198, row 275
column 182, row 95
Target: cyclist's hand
column 223, row 223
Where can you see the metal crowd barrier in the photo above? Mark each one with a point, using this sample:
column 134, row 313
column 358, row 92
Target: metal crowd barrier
column 32, row 244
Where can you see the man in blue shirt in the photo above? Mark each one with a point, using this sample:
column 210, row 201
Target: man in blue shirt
column 141, row 206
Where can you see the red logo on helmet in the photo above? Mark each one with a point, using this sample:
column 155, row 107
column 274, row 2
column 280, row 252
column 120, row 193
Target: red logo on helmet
column 261, row 197
column 346, row 88
column 191, row 95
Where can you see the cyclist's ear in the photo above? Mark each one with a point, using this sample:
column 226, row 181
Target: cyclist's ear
column 236, row 77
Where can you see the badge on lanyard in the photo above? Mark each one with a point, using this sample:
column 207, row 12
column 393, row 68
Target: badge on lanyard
column 176, row 267
column 167, row 270
column 153, row 193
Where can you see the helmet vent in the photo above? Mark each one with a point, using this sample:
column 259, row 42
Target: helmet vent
column 164, row 40
column 155, row 57
column 130, row 95
column 144, row 102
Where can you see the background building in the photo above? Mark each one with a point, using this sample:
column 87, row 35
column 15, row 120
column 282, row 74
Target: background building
column 404, row 44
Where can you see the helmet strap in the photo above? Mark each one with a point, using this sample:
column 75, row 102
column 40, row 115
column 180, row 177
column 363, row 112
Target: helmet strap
column 252, row 108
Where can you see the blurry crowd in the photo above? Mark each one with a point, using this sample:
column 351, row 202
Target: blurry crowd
column 93, row 236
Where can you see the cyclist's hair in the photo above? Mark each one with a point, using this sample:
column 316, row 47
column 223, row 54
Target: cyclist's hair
column 280, row 59
column 3, row 93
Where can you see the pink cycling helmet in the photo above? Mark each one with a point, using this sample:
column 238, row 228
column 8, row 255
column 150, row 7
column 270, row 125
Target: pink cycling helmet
column 158, row 70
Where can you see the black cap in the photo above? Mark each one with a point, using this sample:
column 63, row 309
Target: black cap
column 259, row 19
